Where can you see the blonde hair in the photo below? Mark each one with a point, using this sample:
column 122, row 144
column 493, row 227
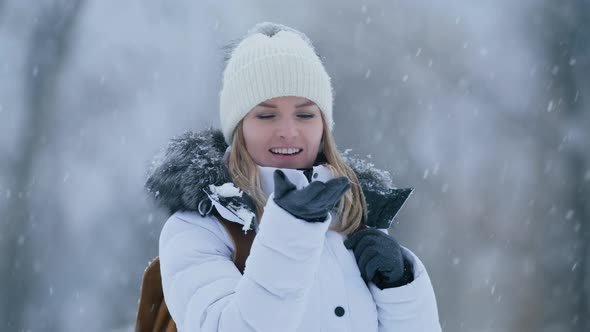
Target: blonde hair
column 352, row 208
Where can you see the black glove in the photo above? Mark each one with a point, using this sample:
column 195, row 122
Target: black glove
column 312, row 203
column 380, row 259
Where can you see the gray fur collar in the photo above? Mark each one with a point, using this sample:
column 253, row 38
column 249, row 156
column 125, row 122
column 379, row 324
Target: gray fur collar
column 181, row 174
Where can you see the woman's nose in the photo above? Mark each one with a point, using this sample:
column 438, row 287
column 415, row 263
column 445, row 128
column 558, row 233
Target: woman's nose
column 287, row 129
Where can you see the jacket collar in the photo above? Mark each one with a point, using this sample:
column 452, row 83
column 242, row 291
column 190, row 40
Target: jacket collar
column 190, row 174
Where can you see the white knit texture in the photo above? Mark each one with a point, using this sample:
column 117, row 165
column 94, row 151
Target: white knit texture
column 262, row 67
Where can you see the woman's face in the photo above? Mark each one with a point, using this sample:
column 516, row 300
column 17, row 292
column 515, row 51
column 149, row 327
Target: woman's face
column 283, row 132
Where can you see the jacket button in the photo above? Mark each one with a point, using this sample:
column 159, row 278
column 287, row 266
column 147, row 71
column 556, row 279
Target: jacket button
column 315, row 176
column 339, row 311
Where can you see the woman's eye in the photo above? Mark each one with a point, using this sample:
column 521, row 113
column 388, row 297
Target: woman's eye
column 264, row 116
column 305, row 116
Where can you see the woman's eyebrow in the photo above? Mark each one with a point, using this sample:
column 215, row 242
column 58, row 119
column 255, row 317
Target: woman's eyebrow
column 263, row 104
column 307, row 103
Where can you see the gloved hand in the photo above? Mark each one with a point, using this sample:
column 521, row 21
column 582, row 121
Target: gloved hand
column 380, row 259
column 312, row 203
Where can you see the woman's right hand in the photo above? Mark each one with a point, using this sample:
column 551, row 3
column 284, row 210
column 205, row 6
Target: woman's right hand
column 312, row 203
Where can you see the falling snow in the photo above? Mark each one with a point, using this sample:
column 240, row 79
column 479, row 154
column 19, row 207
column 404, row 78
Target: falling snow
column 482, row 111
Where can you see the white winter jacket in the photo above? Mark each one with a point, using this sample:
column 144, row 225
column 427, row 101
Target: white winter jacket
column 299, row 276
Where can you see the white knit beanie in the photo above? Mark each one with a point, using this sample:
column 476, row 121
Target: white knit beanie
column 272, row 61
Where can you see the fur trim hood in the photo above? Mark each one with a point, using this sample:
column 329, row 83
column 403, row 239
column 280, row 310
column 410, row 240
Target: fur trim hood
column 187, row 171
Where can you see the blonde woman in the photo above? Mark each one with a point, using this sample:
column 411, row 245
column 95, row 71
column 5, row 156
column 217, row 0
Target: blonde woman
column 321, row 258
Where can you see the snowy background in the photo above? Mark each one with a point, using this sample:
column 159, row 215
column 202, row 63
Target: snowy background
column 481, row 106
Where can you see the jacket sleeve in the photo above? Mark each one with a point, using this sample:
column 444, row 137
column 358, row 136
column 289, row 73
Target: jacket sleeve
column 411, row 307
column 205, row 291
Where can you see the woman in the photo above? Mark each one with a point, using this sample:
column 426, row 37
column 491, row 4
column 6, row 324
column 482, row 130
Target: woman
column 320, row 260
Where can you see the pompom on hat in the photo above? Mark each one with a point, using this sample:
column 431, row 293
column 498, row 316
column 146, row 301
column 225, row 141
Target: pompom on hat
column 272, row 60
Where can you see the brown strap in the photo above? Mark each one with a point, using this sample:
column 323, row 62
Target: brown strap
column 242, row 241
column 152, row 313
column 164, row 322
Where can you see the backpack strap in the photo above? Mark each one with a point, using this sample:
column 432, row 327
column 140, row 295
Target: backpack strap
column 152, row 312
column 242, row 240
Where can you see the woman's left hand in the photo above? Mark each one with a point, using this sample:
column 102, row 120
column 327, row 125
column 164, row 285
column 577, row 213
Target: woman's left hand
column 379, row 258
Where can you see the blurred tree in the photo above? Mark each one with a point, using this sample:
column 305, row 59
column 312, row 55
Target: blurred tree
column 560, row 211
column 567, row 43
column 579, row 74
column 48, row 51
